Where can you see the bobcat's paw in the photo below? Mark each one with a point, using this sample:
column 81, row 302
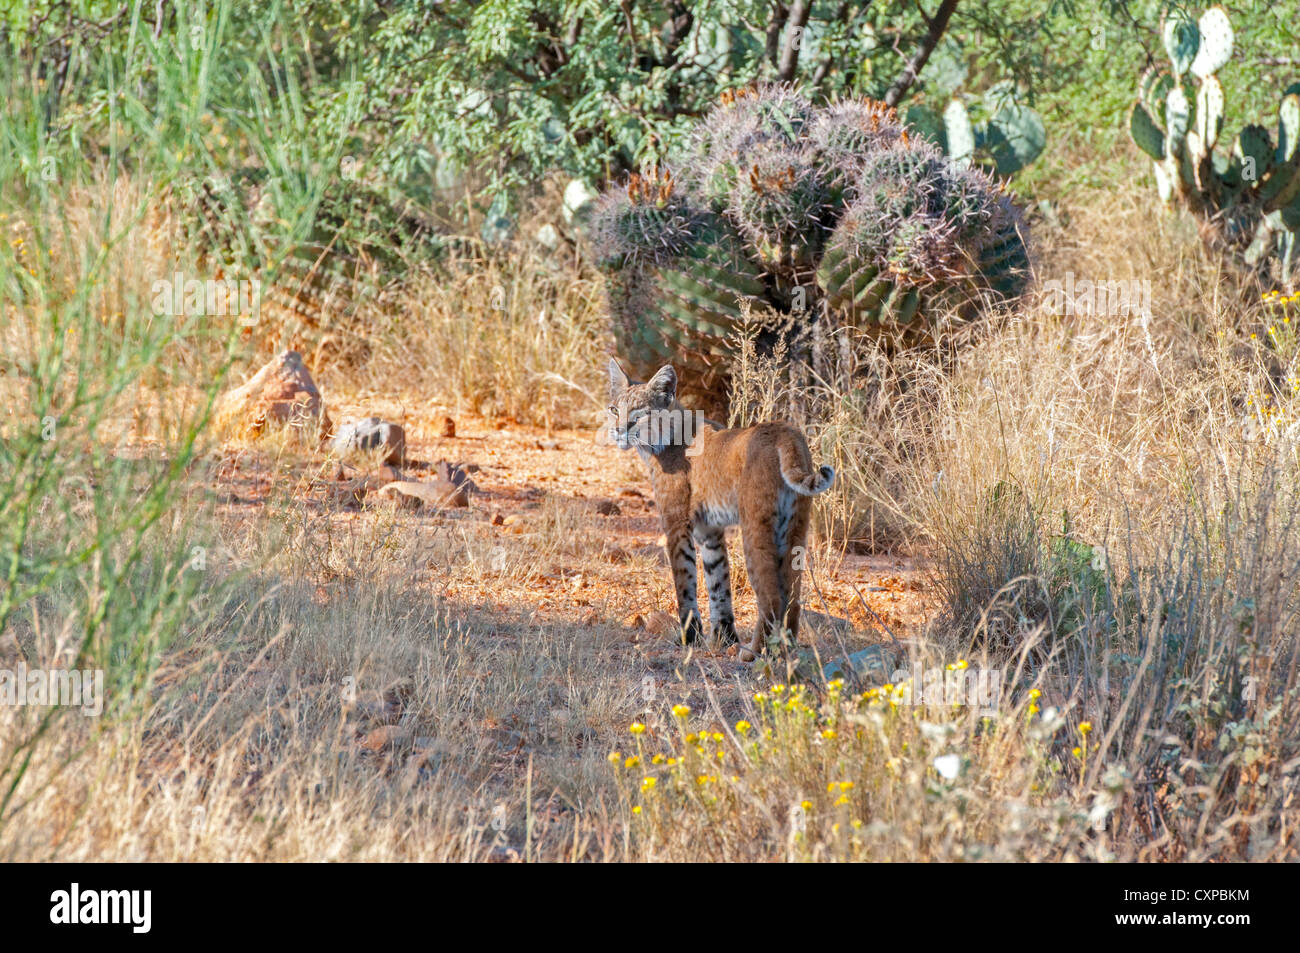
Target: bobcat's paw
column 724, row 634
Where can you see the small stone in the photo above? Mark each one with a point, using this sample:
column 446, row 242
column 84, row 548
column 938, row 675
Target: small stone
column 607, row 508
column 660, row 623
column 873, row 665
column 371, row 435
column 455, row 475
column 412, row 495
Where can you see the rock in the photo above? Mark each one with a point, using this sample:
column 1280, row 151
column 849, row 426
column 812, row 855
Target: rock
column 410, row 494
column 355, row 485
column 449, row 486
column 371, row 435
column 455, row 475
column 280, row 394
column 607, row 508
column 548, row 237
column 447, row 428
column 873, row 665
column 661, row 623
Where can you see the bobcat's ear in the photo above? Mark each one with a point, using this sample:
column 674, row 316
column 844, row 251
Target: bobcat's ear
column 664, row 384
column 617, row 380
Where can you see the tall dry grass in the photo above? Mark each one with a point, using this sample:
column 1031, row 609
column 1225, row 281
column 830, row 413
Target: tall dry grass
column 1108, row 507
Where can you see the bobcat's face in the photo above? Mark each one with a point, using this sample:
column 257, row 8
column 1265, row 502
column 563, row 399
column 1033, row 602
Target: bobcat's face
column 633, row 407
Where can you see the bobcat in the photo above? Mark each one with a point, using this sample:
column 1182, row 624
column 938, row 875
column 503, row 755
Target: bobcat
column 759, row 477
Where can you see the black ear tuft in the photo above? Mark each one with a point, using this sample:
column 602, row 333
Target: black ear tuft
column 664, row 384
column 618, row 380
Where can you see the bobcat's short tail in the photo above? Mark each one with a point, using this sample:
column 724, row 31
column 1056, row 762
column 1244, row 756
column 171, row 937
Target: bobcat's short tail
column 801, row 481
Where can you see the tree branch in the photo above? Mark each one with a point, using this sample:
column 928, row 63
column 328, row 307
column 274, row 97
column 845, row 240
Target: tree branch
column 934, row 32
column 795, row 23
column 772, row 41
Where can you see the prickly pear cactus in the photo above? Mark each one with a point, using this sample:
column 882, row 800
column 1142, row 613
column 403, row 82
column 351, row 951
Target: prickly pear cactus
column 1246, row 190
column 1009, row 137
column 835, row 213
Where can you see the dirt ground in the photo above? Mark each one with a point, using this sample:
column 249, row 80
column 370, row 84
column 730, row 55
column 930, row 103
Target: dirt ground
column 560, row 528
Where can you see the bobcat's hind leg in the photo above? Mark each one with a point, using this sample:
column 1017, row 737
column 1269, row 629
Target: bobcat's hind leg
column 763, row 565
column 794, row 559
column 717, row 577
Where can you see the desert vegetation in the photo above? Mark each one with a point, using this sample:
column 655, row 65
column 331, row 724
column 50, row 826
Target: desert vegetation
column 1050, row 602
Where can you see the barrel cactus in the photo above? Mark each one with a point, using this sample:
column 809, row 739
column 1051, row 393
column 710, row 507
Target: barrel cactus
column 834, row 213
column 1246, row 191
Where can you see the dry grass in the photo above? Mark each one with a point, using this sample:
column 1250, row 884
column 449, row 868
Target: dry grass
column 1011, row 461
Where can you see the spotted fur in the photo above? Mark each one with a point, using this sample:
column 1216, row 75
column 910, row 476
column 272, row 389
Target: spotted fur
column 706, row 478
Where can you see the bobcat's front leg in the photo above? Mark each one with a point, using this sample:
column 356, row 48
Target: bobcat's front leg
column 681, row 559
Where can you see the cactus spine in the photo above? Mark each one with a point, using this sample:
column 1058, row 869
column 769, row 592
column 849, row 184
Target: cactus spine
column 786, row 205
